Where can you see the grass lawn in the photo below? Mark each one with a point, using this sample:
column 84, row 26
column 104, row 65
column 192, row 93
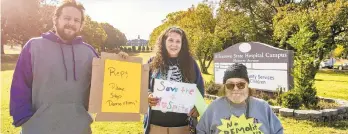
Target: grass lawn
column 332, row 85
column 327, row 83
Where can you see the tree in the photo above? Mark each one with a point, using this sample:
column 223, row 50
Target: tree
column 115, row 37
column 199, row 25
column 156, row 33
column 21, row 24
column 29, row 19
column 147, row 48
column 259, row 13
column 313, row 30
column 93, row 33
column 3, row 41
column 232, row 26
column 134, row 49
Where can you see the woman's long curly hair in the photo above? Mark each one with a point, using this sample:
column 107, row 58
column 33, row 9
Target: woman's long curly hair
column 185, row 61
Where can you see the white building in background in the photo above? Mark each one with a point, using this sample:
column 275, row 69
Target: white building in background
column 137, row 42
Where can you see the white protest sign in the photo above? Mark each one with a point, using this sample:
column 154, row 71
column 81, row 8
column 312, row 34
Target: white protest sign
column 174, row 96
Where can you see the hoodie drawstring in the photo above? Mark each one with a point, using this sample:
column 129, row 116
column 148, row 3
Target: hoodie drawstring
column 73, row 54
column 66, row 70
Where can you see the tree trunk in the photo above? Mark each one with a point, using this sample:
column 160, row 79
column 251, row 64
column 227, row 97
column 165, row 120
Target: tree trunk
column 204, row 67
column 204, row 70
column 2, row 43
column 2, row 48
column 316, row 64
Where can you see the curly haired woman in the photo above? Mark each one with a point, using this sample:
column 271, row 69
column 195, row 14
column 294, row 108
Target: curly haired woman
column 172, row 62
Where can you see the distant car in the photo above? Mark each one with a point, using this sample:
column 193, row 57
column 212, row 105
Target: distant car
column 342, row 66
column 328, row 63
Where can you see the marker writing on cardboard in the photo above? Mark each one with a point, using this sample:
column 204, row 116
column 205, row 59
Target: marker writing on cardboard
column 174, row 89
column 125, row 103
column 113, row 72
column 115, row 87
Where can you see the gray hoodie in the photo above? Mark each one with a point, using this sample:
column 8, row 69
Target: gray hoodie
column 50, row 87
column 222, row 109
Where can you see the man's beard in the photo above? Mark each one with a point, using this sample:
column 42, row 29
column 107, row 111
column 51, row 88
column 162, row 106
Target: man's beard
column 67, row 37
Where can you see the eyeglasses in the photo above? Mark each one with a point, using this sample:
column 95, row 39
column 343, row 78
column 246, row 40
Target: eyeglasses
column 240, row 85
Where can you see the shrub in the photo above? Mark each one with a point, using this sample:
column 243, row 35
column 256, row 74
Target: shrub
column 134, row 49
column 272, row 102
column 212, row 88
column 264, row 96
column 143, row 48
column 279, row 92
column 291, row 99
column 309, row 98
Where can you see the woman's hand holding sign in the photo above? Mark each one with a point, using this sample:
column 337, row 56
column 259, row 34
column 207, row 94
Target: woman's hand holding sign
column 193, row 112
column 152, row 100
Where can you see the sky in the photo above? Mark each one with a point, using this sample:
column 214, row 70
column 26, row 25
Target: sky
column 134, row 17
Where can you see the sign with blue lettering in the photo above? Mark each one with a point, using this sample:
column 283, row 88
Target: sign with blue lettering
column 174, row 96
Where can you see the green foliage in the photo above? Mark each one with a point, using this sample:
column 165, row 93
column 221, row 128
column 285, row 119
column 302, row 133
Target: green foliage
column 36, row 17
column 278, row 96
column 272, row 102
column 156, row 33
column 93, row 33
column 312, row 31
column 249, row 20
column 264, row 96
column 339, row 51
column 115, row 37
column 134, row 49
column 199, row 25
column 212, row 88
column 308, row 95
column 24, row 19
column 291, row 100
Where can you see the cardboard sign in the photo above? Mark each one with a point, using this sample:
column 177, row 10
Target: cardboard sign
column 174, row 96
column 239, row 125
column 118, row 88
column 121, row 93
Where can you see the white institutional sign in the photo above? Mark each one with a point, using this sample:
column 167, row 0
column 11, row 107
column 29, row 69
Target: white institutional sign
column 269, row 68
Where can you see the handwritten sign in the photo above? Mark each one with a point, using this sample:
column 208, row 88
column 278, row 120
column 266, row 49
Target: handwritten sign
column 120, row 94
column 174, row 96
column 239, row 125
